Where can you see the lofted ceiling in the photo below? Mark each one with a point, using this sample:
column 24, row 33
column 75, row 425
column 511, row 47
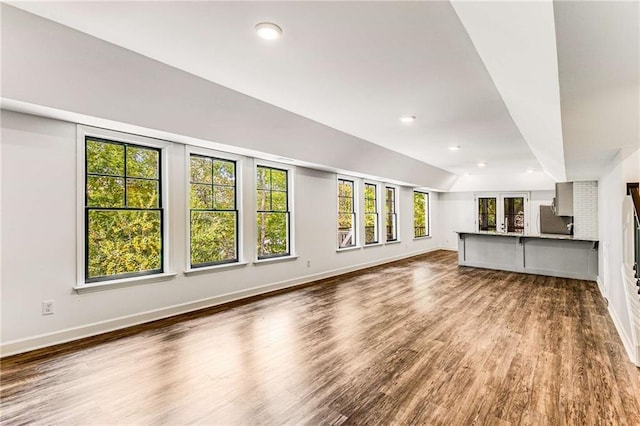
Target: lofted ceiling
column 482, row 76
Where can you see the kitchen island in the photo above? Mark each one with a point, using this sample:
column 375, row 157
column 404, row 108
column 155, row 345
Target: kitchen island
column 547, row 254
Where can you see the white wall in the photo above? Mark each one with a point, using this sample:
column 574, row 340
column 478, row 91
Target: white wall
column 457, row 213
column 38, row 233
column 611, row 192
column 515, row 182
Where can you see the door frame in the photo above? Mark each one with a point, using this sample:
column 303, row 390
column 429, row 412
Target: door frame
column 500, row 196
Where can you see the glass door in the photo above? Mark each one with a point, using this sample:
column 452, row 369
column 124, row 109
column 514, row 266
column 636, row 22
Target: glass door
column 513, row 219
column 502, row 212
column 487, row 214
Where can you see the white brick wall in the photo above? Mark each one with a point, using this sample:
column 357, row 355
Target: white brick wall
column 585, row 209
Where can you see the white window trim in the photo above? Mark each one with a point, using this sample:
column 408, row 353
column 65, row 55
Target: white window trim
column 397, row 210
column 274, row 259
column 379, row 208
column 124, row 282
column 428, row 212
column 373, row 245
column 165, row 147
column 222, row 266
column 291, row 171
column 240, row 164
column 356, row 210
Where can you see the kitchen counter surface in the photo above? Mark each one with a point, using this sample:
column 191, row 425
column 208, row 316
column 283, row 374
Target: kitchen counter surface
column 515, row 234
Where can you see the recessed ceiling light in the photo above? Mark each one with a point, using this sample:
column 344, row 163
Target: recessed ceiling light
column 268, row 31
column 408, row 118
column 482, row 164
column 454, row 148
column 530, row 170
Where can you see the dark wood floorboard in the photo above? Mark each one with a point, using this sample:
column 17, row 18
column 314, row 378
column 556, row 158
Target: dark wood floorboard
column 419, row 341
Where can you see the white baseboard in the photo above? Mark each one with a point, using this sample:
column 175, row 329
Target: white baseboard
column 626, row 340
column 601, row 287
column 75, row 333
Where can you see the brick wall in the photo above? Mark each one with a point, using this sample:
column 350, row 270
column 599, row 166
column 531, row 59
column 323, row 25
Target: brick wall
column 585, row 209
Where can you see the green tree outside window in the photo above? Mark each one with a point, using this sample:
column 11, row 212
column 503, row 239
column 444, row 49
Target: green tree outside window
column 213, row 213
column 123, row 210
column 272, row 212
column 420, row 214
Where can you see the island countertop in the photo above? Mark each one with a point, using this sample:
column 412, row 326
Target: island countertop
column 516, row 234
column 548, row 254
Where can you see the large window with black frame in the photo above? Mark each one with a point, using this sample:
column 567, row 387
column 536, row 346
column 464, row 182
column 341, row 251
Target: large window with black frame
column 213, row 212
column 273, row 216
column 346, row 214
column 391, row 213
column 123, row 210
column 420, row 214
column 370, row 213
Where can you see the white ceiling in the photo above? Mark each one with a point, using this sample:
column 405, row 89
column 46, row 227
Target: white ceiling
column 358, row 66
column 599, row 65
column 517, row 43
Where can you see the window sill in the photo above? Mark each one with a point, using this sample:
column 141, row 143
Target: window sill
column 124, row 282
column 275, row 259
column 196, row 271
column 348, row 249
column 426, row 237
column 373, row 245
column 392, row 242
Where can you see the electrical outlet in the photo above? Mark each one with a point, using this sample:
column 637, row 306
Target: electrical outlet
column 308, row 264
column 47, row 307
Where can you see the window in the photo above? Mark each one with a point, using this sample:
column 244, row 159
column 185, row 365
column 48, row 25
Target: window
column 420, row 214
column 391, row 214
column 123, row 210
column 272, row 217
column 486, row 213
column 370, row 213
column 346, row 214
column 213, row 212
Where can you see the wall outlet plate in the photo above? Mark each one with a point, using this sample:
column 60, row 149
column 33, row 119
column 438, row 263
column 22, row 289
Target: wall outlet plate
column 47, row 307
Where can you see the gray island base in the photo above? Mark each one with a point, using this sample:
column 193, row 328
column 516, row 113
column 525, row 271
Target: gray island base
column 552, row 255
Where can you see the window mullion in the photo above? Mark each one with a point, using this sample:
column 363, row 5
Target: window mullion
column 126, row 202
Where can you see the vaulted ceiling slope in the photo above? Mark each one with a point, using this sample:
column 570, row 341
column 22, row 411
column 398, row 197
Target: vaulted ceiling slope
column 353, row 66
column 516, row 41
column 599, row 65
column 55, row 71
column 518, row 85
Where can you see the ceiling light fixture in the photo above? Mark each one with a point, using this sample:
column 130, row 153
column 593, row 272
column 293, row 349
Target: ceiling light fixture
column 530, row 171
column 408, row 119
column 454, row 148
column 268, row 31
column 482, row 164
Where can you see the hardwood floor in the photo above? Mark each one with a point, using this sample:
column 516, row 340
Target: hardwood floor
column 420, row 341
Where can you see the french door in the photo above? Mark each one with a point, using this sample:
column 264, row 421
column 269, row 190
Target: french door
column 503, row 212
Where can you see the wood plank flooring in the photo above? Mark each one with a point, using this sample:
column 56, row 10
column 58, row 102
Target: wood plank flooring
column 420, row 341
